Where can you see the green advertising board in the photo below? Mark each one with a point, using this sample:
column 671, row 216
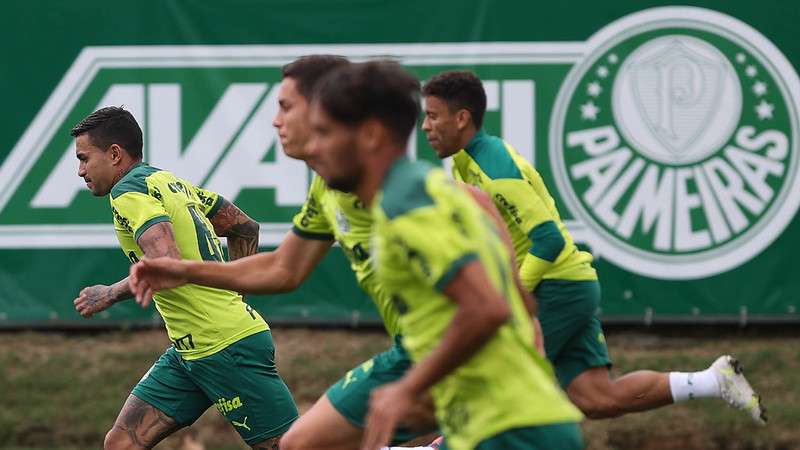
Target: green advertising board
column 667, row 135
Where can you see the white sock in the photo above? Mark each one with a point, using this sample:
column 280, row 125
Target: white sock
column 690, row 385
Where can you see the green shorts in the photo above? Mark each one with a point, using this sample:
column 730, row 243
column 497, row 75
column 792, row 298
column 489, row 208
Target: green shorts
column 350, row 395
column 560, row 436
column 573, row 337
column 241, row 381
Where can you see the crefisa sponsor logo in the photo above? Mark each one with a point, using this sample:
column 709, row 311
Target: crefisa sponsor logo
column 675, row 141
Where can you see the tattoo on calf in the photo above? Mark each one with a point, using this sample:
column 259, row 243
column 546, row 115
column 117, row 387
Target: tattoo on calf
column 269, row 444
column 144, row 424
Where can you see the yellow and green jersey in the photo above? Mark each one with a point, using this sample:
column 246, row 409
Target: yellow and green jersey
column 329, row 214
column 544, row 248
column 426, row 229
column 200, row 320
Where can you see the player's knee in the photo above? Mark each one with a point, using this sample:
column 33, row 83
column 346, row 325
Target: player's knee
column 117, row 440
column 271, row 443
column 294, row 440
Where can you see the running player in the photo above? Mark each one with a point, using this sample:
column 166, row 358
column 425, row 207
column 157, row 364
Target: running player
column 222, row 351
column 447, row 272
column 551, row 266
column 336, row 420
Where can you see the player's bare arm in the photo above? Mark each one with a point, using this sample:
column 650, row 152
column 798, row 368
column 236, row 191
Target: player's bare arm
column 158, row 241
column 100, row 297
column 281, row 270
column 240, row 230
column 481, row 311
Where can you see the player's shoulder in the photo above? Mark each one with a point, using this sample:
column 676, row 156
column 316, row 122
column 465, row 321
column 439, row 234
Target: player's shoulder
column 406, row 187
column 493, row 156
column 346, row 202
column 317, row 189
column 134, row 181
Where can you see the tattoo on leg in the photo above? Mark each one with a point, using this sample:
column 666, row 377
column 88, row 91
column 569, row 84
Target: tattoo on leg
column 144, row 424
column 269, row 444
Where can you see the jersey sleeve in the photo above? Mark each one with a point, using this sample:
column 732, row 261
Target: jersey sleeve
column 137, row 211
column 524, row 208
column 432, row 244
column 310, row 222
column 210, row 200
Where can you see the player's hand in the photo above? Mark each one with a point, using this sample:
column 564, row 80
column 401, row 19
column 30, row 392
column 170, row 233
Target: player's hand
column 387, row 406
column 151, row 275
column 93, row 299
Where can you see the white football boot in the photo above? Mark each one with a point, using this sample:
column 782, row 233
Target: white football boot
column 735, row 389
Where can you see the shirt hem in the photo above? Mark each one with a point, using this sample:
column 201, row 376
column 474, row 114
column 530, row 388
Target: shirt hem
column 189, row 355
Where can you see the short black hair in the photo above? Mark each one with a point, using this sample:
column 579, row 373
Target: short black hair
column 307, row 70
column 378, row 89
column 112, row 125
column 460, row 89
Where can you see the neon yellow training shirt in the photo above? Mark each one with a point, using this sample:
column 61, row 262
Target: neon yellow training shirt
column 200, row 320
column 329, row 214
column 426, row 230
column 543, row 245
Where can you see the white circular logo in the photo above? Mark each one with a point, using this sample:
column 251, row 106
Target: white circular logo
column 676, row 99
column 676, row 142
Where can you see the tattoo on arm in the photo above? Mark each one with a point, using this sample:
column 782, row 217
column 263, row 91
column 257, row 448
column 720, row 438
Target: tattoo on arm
column 159, row 240
column 108, row 295
column 120, row 291
column 98, row 297
column 241, row 231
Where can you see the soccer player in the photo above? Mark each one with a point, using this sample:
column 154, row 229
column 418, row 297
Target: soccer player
column 551, row 266
column 336, row 420
column 447, row 271
column 222, row 352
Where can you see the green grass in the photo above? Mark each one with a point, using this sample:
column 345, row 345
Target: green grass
column 63, row 391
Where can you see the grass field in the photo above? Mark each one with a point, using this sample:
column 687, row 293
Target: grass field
column 63, row 391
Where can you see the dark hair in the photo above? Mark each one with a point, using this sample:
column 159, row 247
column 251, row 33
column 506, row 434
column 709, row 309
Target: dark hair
column 307, row 70
column 460, row 90
column 112, row 125
column 376, row 89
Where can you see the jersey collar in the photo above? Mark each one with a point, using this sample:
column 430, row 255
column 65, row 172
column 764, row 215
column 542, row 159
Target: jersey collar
column 130, row 171
column 474, row 144
column 393, row 169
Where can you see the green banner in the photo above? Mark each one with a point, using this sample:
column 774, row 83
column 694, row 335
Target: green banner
column 667, row 135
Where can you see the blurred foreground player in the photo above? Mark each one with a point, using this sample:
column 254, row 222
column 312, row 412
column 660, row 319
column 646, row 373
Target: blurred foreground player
column 448, row 274
column 222, row 352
